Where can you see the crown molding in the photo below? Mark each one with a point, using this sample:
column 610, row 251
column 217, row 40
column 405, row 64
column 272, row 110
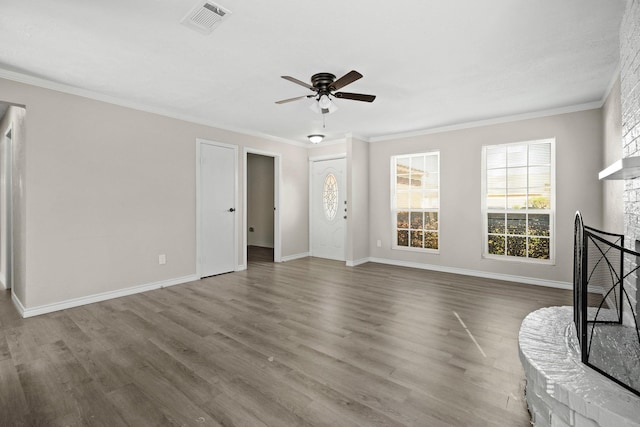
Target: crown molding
column 495, row 121
column 59, row 87
column 361, row 137
column 84, row 93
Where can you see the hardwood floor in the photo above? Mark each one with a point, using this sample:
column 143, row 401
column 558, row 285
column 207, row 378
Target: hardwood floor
column 304, row 343
column 259, row 254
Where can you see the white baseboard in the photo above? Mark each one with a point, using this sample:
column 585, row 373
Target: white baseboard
column 241, row 267
column 295, row 256
column 357, row 262
column 18, row 304
column 477, row 273
column 75, row 302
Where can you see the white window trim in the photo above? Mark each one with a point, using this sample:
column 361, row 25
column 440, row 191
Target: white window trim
column 551, row 212
column 392, row 210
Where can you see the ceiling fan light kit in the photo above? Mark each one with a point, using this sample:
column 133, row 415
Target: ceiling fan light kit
column 323, row 105
column 315, row 138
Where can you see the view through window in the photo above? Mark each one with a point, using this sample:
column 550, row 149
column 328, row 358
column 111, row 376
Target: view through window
column 416, row 201
column 518, row 199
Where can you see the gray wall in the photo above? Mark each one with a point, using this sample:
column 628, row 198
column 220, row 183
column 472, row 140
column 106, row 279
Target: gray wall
column 328, row 149
column 578, row 161
column 358, row 239
column 108, row 188
column 260, row 200
column 613, row 206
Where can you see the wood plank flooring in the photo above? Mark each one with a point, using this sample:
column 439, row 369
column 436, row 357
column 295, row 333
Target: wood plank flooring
column 259, row 254
column 303, row 343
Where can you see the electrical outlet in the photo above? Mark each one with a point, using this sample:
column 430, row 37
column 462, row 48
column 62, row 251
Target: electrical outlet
column 162, row 259
column 379, row 243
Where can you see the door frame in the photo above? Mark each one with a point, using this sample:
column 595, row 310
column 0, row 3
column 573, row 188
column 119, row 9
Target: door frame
column 7, row 171
column 277, row 173
column 199, row 143
column 312, row 160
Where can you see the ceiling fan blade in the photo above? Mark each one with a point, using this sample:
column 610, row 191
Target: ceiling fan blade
column 348, row 78
column 355, row 96
column 299, row 82
column 284, row 101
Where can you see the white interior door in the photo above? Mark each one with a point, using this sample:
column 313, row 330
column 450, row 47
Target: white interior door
column 217, row 249
column 328, row 209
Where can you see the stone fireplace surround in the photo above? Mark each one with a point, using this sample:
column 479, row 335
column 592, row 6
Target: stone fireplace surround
column 630, row 130
column 561, row 391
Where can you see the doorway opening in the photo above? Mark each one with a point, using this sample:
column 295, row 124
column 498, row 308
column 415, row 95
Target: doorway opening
column 261, row 222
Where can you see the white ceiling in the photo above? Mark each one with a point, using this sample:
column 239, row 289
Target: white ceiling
column 430, row 63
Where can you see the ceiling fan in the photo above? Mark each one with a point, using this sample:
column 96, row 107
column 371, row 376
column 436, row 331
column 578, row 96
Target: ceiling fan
column 325, row 86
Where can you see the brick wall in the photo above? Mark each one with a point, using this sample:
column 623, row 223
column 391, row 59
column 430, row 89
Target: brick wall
column 630, row 100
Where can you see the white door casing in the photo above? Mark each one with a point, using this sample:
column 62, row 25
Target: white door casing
column 328, row 209
column 217, row 193
column 6, row 206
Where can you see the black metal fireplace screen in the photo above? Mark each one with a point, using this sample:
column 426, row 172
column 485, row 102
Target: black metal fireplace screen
column 604, row 316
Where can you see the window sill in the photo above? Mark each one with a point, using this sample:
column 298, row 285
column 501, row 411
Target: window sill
column 508, row 258
column 418, row 250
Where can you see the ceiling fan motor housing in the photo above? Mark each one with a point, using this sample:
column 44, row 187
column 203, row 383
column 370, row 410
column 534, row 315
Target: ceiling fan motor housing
column 322, row 82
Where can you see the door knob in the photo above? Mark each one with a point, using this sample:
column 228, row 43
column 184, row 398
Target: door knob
column 232, row 210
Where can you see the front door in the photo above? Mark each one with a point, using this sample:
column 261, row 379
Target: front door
column 328, row 209
column 217, row 249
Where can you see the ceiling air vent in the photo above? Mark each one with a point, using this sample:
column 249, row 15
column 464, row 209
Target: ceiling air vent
column 205, row 17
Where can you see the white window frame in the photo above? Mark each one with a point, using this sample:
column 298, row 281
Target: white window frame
column 394, row 210
column 551, row 212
